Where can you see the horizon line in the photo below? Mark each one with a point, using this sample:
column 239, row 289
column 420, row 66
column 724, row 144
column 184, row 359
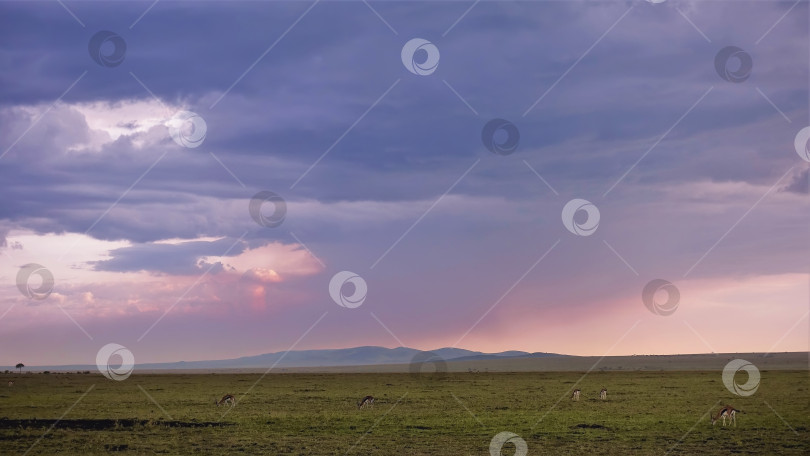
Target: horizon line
column 763, row 353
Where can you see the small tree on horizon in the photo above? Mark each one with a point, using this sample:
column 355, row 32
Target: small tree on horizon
column 20, row 366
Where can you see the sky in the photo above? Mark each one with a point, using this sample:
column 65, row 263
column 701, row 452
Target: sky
column 589, row 178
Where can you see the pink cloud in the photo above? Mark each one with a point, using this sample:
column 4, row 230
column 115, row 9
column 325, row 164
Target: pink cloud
column 248, row 282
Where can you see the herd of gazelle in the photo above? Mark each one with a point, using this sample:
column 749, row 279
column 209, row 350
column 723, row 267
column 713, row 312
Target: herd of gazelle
column 368, row 401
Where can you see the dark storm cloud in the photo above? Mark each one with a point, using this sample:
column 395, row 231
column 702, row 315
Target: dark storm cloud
column 179, row 259
column 592, row 126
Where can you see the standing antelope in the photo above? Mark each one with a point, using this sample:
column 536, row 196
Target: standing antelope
column 10, row 383
column 225, row 399
column 603, row 394
column 366, row 401
column 575, row 394
column 727, row 411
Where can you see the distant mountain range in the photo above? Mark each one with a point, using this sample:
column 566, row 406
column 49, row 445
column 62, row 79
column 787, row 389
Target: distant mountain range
column 357, row 356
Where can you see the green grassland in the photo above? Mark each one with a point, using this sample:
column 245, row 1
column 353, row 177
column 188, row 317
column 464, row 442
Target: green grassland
column 454, row 414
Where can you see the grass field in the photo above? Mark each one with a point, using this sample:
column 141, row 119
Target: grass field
column 457, row 414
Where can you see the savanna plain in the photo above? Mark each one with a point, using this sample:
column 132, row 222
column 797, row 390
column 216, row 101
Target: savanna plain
column 458, row 413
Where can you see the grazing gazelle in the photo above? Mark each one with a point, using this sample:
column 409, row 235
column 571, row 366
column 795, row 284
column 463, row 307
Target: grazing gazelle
column 10, row 383
column 575, row 394
column 727, row 411
column 225, row 399
column 366, row 401
column 603, row 394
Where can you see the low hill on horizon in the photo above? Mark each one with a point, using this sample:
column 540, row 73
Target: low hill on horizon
column 355, row 356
